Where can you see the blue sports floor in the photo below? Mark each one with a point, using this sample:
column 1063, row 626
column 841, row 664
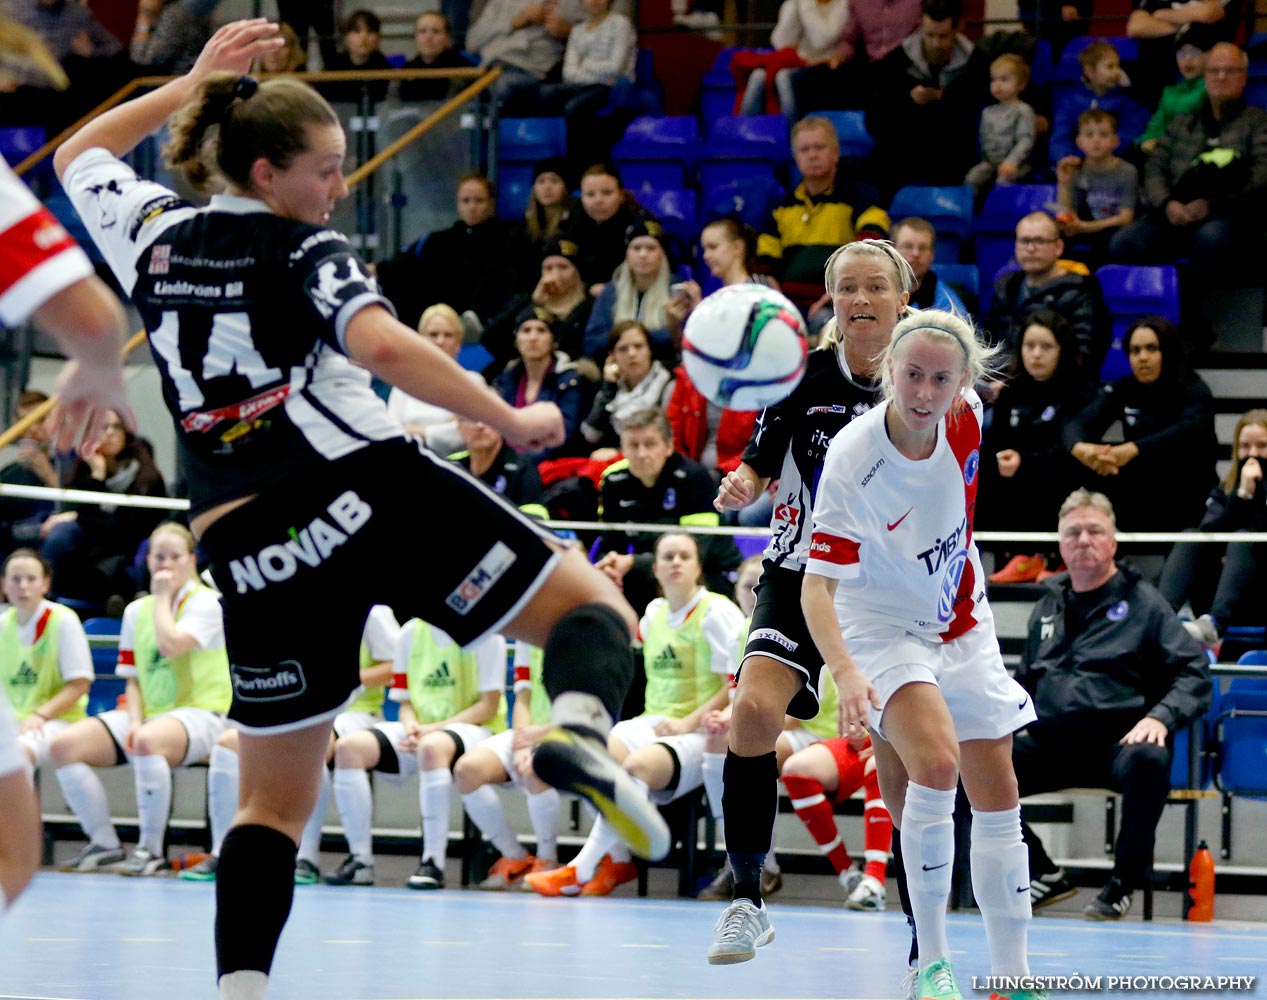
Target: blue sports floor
column 100, row 937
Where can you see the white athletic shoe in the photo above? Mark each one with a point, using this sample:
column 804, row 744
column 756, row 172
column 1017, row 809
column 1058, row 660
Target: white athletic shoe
column 741, row 930
column 93, row 858
column 868, row 894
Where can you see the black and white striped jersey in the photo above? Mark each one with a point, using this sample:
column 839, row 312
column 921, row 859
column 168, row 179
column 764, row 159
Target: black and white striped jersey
column 246, row 314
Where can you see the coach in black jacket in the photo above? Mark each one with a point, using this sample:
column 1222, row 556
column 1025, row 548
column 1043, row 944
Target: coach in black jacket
column 1113, row 675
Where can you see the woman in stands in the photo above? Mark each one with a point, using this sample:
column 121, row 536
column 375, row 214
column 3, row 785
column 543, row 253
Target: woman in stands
column 688, row 648
column 559, row 293
column 639, row 289
column 1166, row 411
column 1225, row 583
column 171, row 650
column 894, row 600
column 870, row 284
column 299, row 479
column 633, row 381
column 607, row 212
column 45, row 663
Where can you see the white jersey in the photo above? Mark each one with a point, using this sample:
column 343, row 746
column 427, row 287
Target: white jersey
column 382, row 633
column 38, row 258
column 897, row 533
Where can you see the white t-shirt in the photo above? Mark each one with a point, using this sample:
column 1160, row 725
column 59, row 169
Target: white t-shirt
column 897, row 533
column 201, row 617
column 440, row 432
column 490, row 657
column 382, row 633
column 723, row 621
column 74, row 658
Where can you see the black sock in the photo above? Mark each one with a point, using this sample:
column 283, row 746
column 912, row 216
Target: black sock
column 255, row 885
column 750, row 801
column 899, row 872
column 588, row 651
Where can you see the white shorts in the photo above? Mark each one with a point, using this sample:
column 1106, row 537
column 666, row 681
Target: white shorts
column 11, row 756
column 502, row 745
column 688, row 747
column 354, row 722
column 407, row 762
column 201, row 726
column 984, row 702
column 37, row 741
column 799, row 738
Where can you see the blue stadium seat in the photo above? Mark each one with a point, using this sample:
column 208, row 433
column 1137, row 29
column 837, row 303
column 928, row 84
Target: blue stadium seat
column 711, row 174
column 514, row 184
column 17, row 142
column 1044, row 63
column 637, row 98
column 947, row 209
column 1209, row 738
column 106, row 687
column 750, row 137
column 527, row 140
column 474, row 357
column 717, row 86
column 652, row 173
column 856, row 142
column 963, row 278
column 749, row 199
column 1132, row 291
column 675, row 208
column 1068, row 69
column 672, row 137
column 1256, row 91
column 397, row 60
column 1243, row 740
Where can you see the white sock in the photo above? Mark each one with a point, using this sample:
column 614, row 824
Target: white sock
column 928, row 852
column 603, row 839
column 433, row 798
column 310, row 840
column 153, row 799
column 356, row 810
column 712, row 768
column 243, row 985
column 543, row 809
column 86, row 796
column 1000, row 881
column 575, row 708
column 486, row 812
column 222, row 794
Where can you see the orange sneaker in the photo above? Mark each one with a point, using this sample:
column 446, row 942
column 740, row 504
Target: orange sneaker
column 608, row 875
column 508, row 872
column 559, row 882
column 538, row 865
column 1047, row 574
column 1021, row 569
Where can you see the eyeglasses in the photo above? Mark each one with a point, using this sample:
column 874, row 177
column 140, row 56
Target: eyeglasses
column 1035, row 241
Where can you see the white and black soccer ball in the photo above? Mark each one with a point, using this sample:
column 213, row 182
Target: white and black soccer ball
column 744, row 347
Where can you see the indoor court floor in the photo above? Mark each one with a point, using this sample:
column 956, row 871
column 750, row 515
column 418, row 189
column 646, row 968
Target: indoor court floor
column 101, row 937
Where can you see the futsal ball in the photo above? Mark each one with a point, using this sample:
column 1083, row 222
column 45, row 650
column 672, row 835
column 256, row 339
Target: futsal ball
column 744, row 347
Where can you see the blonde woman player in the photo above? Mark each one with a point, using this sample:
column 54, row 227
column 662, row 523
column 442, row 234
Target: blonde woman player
column 507, row 758
column 894, row 597
column 45, row 663
column 378, row 649
column 450, row 702
column 171, row 650
column 688, row 648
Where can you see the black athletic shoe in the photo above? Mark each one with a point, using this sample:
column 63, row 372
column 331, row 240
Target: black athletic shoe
column 351, row 872
column 428, row 876
column 574, row 759
column 1113, row 903
column 1047, row 889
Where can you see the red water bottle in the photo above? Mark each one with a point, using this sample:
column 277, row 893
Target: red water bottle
column 1201, row 884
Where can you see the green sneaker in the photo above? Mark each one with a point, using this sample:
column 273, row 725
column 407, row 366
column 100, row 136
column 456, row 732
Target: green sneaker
column 203, row 871
column 937, row 982
column 1020, row 995
column 306, row 872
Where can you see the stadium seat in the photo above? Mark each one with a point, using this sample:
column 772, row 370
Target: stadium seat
column 528, row 140
column 1243, row 739
column 1132, row 291
column 947, row 209
column 711, row 174
column 717, row 86
column 106, row 687
column 639, row 97
column 397, row 60
column 963, row 278
column 749, row 199
column 750, row 137
column 994, row 233
column 675, row 207
column 1209, row 738
column 17, row 142
column 1069, row 70
column 856, row 142
column 514, row 184
column 657, row 151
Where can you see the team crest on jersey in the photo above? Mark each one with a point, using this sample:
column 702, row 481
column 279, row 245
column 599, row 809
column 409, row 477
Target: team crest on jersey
column 160, row 259
column 970, row 465
column 1118, row 611
column 670, row 498
column 950, row 586
column 786, row 513
column 337, row 282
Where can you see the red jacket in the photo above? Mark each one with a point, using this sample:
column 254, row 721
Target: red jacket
column 688, row 416
column 742, row 64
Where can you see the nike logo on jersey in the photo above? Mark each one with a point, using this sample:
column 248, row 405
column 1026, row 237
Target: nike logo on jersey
column 933, row 868
column 893, row 524
column 1022, row 888
column 1021, row 706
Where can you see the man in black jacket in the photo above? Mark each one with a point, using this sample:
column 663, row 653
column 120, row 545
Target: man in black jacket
column 1114, row 676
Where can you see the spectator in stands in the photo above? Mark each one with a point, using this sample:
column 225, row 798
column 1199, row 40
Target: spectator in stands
column 1113, row 676
column 525, row 39
column 506, row 758
column 873, row 29
column 317, row 15
column 550, row 206
column 171, row 650
column 45, row 664
column 1166, row 411
column 916, row 241
column 1026, row 469
column 656, row 485
column 633, row 382
column 541, row 374
column 559, row 293
column 487, row 457
column 607, row 212
column 1103, row 86
column 435, row 51
column 20, row 520
column 1058, row 23
column 824, row 212
column 290, row 58
column 729, row 249
column 169, row 34
column 1007, row 128
column 1098, row 190
column 431, row 424
column 362, row 36
column 689, row 653
column 1044, row 281
column 449, row 700
column 92, row 548
column 1206, row 183
column 467, row 265
column 1192, row 47
column 639, row 290
column 808, row 33
column 1161, row 24
column 931, row 86
column 1225, row 583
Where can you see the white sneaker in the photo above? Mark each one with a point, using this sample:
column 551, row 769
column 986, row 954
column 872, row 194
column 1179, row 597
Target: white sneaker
column 93, row 858
column 741, row 930
column 849, row 880
column 141, row 863
column 868, row 894
column 910, row 983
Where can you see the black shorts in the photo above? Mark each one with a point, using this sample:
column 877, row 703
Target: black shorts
column 300, row 566
column 778, row 630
